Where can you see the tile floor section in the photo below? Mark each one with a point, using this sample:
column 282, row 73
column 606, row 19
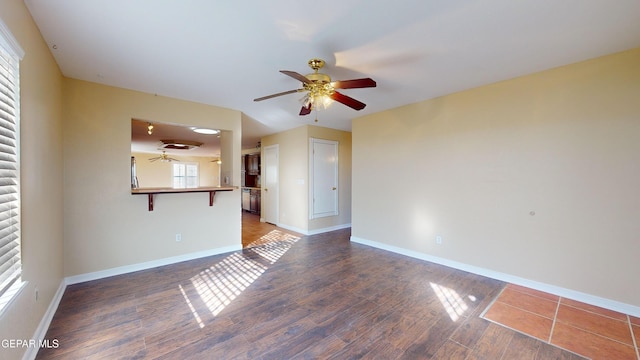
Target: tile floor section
column 587, row 330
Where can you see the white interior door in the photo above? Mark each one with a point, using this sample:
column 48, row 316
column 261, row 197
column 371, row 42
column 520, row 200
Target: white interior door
column 323, row 178
column 270, row 185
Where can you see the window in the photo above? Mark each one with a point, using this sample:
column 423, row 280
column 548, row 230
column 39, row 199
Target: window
column 185, row 175
column 10, row 265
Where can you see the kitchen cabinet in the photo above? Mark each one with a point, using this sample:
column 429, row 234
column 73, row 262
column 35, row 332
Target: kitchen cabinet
column 253, row 164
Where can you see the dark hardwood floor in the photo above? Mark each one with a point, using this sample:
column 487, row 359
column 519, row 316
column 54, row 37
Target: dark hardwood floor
column 289, row 297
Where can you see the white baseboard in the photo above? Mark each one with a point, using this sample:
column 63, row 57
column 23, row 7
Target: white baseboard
column 75, row 279
column 331, row 228
column 314, row 231
column 552, row 289
column 292, row 228
column 43, row 327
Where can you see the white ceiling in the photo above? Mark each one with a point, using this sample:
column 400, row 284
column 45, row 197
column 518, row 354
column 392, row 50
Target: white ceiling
column 226, row 53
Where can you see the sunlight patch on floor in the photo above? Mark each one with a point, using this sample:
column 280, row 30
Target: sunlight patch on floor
column 224, row 281
column 451, row 301
column 274, row 245
column 273, row 237
column 193, row 310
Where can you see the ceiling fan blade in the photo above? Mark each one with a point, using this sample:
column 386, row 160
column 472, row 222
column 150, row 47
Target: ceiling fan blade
column 354, row 84
column 347, row 100
column 278, row 94
column 296, row 76
column 306, row 110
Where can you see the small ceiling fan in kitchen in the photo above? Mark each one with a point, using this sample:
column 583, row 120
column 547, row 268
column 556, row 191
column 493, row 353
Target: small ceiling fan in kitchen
column 163, row 158
column 321, row 91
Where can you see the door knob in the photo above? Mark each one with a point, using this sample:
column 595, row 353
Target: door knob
column 333, row 188
column 266, row 189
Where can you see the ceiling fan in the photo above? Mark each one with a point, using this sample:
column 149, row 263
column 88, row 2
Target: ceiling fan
column 163, row 158
column 321, row 90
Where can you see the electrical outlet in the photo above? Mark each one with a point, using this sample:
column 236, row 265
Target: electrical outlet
column 178, row 237
column 438, row 239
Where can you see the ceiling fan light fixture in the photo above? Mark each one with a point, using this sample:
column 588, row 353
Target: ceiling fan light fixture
column 319, row 95
column 316, row 102
column 325, row 100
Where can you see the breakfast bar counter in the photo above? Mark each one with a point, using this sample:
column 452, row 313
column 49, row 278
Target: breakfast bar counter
column 150, row 192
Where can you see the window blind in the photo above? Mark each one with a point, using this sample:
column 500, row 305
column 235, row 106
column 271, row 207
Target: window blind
column 10, row 265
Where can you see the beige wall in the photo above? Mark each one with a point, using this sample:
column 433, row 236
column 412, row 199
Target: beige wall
column 160, row 174
column 472, row 166
column 97, row 152
column 294, row 177
column 41, row 178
